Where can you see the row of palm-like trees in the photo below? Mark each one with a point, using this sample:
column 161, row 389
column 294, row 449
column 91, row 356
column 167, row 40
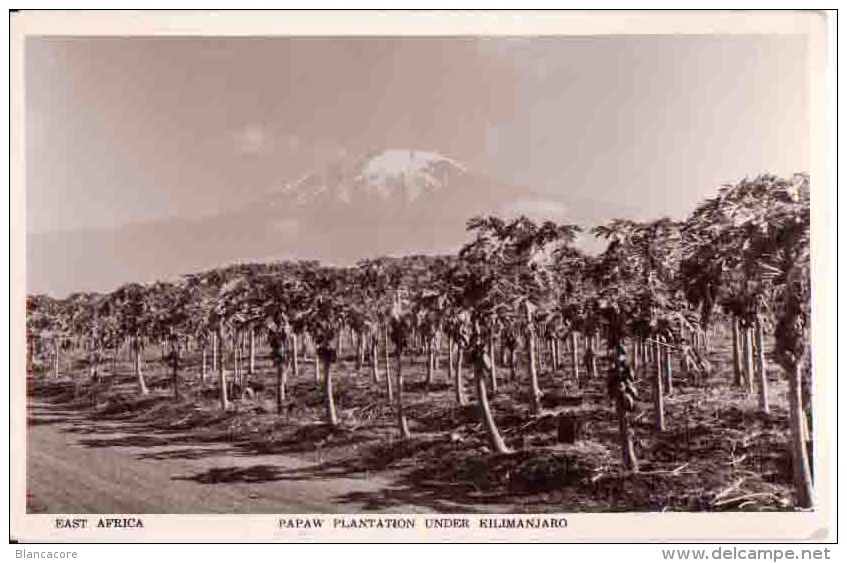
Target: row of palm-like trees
column 741, row 260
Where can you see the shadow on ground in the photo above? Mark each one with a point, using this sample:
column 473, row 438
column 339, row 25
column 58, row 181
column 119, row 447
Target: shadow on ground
column 446, row 465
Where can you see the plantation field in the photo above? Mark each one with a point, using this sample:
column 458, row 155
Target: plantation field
column 102, row 447
column 671, row 371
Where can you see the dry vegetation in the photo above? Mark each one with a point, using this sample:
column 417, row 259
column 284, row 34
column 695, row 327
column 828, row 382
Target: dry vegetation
column 718, row 452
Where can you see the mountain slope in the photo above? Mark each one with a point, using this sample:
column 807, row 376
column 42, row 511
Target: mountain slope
column 389, row 202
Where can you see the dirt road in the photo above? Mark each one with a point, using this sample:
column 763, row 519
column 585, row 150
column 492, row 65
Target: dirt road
column 75, row 465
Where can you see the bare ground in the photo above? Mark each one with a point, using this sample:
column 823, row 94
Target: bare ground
column 103, row 449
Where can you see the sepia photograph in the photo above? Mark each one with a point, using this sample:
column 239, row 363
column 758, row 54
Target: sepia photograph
column 455, row 281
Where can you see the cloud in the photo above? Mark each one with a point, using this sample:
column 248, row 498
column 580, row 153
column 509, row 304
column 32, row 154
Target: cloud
column 251, row 139
column 537, row 209
column 255, row 139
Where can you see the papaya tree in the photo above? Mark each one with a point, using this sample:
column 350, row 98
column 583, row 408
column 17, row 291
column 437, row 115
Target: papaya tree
column 520, row 255
column 453, row 329
column 324, row 318
column 774, row 235
column 430, row 307
column 635, row 297
column 376, row 282
column 400, row 329
column 212, row 295
column 478, row 298
column 92, row 322
column 132, row 305
column 40, row 326
column 271, row 295
column 172, row 320
column 365, row 320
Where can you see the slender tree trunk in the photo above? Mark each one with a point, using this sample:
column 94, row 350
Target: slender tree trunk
column 295, row 357
column 803, row 488
column 360, row 352
column 374, row 358
column 539, row 352
column 388, row 384
column 56, row 348
column 142, row 385
column 451, row 360
column 493, row 365
column 736, row 353
column 430, row 362
column 668, row 368
column 634, row 347
column 551, row 347
column 280, row 387
column 95, row 366
column 554, row 352
column 252, row 369
column 331, row 414
column 658, row 392
column 436, row 362
column 236, row 374
column 340, row 344
column 317, row 365
column 402, row 424
column 562, row 350
column 532, row 360
column 764, row 404
column 575, row 356
column 232, row 348
column 748, row 359
column 461, row 398
column 534, row 388
column 221, row 372
column 203, row 366
column 215, row 351
column 175, row 373
column 495, row 441
column 591, row 353
column 625, row 435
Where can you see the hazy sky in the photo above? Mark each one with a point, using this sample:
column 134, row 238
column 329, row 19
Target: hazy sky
column 127, row 129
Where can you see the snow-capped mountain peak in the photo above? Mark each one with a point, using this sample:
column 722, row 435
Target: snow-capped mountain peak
column 402, row 173
column 413, row 171
column 392, row 163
